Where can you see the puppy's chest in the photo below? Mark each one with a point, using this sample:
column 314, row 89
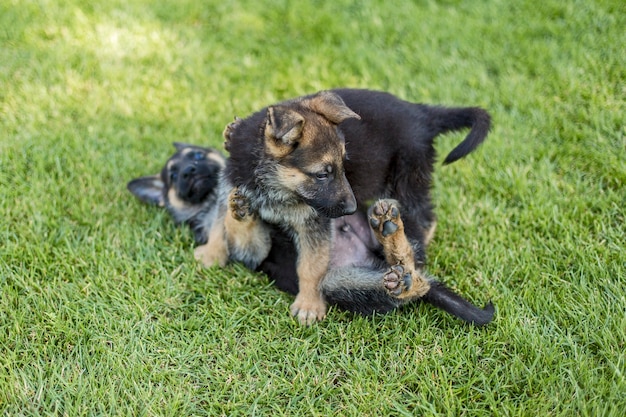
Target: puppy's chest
column 293, row 215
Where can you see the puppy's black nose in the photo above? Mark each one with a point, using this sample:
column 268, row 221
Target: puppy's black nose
column 348, row 205
column 189, row 171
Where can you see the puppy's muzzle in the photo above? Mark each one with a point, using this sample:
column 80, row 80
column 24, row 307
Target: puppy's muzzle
column 188, row 171
column 348, row 205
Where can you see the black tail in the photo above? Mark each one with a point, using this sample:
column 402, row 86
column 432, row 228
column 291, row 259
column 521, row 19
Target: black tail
column 444, row 298
column 447, row 119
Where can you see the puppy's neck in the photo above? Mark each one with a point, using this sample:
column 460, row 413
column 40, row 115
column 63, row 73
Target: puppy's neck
column 272, row 207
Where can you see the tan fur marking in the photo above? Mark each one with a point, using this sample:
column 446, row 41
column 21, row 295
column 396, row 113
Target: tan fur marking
column 309, row 304
column 216, row 158
column 185, row 152
column 277, row 150
column 323, row 162
column 314, row 126
column 290, row 178
column 215, row 251
column 176, row 202
column 240, row 233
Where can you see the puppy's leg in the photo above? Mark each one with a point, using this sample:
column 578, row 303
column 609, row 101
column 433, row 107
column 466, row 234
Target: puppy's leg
column 313, row 261
column 358, row 289
column 248, row 237
column 235, row 235
column 403, row 280
column 215, row 251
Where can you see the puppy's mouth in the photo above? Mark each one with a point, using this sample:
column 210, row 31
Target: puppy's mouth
column 330, row 212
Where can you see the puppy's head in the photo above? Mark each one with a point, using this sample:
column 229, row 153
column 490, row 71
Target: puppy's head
column 308, row 150
column 185, row 182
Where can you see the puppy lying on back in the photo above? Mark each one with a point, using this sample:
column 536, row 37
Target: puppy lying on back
column 187, row 187
column 301, row 163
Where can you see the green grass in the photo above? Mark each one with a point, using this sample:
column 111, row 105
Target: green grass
column 103, row 310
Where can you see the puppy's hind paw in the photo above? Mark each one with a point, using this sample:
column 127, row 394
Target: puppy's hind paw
column 397, row 281
column 405, row 284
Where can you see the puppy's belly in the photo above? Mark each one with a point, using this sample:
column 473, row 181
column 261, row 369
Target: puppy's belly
column 353, row 242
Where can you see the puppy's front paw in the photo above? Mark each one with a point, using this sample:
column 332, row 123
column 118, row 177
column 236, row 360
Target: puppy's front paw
column 308, row 310
column 238, row 205
column 230, row 127
column 209, row 258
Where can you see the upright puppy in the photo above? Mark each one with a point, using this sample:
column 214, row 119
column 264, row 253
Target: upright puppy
column 289, row 170
column 298, row 164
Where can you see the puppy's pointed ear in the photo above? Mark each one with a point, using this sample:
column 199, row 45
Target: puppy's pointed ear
column 283, row 129
column 284, row 125
column 332, row 107
column 148, row 190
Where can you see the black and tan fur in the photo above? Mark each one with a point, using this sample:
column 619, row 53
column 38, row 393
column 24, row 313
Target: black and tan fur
column 288, row 165
column 370, row 271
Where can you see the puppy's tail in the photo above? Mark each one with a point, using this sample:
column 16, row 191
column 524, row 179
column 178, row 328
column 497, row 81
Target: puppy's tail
column 448, row 119
column 444, row 298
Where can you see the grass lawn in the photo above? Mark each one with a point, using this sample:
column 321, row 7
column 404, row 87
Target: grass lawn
column 103, row 310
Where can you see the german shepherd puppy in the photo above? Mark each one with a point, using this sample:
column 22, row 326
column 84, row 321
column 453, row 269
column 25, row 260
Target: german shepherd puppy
column 187, row 187
column 369, row 272
column 299, row 164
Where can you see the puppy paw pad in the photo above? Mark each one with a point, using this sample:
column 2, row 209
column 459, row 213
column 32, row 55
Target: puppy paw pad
column 384, row 217
column 396, row 280
column 238, row 205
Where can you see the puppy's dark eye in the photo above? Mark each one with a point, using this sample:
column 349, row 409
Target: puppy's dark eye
column 198, row 156
column 173, row 175
column 321, row 176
